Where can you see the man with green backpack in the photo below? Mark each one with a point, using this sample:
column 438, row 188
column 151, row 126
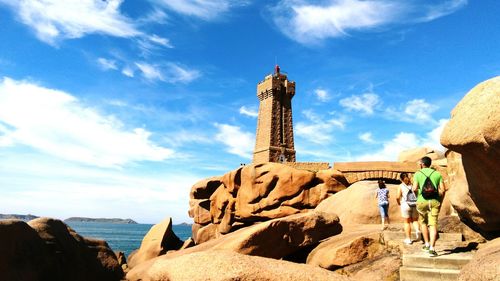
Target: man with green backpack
column 428, row 184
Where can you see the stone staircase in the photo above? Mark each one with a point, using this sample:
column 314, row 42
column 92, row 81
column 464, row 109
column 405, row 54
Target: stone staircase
column 418, row 265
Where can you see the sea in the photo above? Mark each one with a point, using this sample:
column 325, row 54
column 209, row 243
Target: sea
column 123, row 237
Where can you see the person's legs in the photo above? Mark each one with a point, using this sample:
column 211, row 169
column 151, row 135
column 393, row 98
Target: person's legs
column 422, row 208
column 386, row 211
column 382, row 215
column 433, row 219
column 407, row 227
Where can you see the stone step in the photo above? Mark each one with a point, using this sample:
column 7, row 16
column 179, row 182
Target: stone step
column 444, row 261
column 399, row 235
column 428, row 274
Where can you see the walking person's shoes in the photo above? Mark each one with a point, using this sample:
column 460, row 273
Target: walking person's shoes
column 407, row 241
column 432, row 253
column 425, row 248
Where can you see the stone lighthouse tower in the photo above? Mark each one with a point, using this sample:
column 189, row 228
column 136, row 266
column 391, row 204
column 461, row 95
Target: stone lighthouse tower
column 274, row 138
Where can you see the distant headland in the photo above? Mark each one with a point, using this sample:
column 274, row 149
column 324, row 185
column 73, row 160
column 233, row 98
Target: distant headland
column 27, row 217
column 102, row 220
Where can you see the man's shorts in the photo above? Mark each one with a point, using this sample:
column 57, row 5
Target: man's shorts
column 428, row 212
column 409, row 212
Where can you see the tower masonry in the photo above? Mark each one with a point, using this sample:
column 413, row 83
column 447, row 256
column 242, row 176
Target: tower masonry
column 274, row 137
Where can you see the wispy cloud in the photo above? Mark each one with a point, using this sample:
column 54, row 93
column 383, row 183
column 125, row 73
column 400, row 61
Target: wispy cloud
column 178, row 73
column 128, row 71
column 204, row 9
column 322, row 95
column 403, row 141
column 366, row 137
column 107, row 64
column 66, row 128
column 249, row 111
column 308, row 21
column 237, row 141
column 318, row 129
column 364, row 103
column 59, row 19
column 149, row 71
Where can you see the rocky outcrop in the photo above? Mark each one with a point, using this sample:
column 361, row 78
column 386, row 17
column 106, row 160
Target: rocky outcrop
column 415, row 154
column 358, row 205
column 474, row 132
column 353, row 245
column 256, row 193
column 484, row 265
column 23, row 254
column 159, row 239
column 47, row 249
column 452, row 224
column 275, row 238
column 222, row 265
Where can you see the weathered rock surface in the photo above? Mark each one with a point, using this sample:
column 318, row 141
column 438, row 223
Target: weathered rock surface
column 452, row 224
column 275, row 238
column 256, row 193
column 474, row 132
column 226, row 265
column 47, row 249
column 415, row 154
column 159, row 239
column 485, row 264
column 353, row 245
column 379, row 268
column 23, row 254
column 75, row 257
column 358, row 205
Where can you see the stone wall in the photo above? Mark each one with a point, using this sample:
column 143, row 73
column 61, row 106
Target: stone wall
column 310, row 166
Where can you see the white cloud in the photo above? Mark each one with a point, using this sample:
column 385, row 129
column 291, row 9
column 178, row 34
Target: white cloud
column 149, row 71
column 161, row 41
column 366, row 137
column 107, row 64
column 56, row 123
column 364, row 103
column 237, row 141
column 419, row 110
column 404, row 141
column 128, row 71
column 59, row 19
column 177, row 73
column 318, row 129
column 322, row 95
column 415, row 111
column 205, row 9
column 251, row 112
column 309, row 21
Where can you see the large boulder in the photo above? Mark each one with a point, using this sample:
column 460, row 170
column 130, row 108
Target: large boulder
column 357, row 204
column 484, row 265
column 275, row 238
column 415, row 154
column 73, row 257
column 223, row 265
column 353, row 245
column 474, row 132
column 258, row 192
column 159, row 239
column 47, row 249
column 23, row 254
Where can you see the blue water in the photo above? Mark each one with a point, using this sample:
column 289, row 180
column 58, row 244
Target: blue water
column 122, row 237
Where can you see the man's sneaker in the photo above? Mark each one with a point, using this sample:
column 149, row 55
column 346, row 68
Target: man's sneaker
column 425, row 248
column 433, row 253
column 407, row 241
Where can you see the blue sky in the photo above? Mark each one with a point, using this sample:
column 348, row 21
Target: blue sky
column 115, row 108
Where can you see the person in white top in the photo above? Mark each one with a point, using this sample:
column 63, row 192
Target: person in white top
column 407, row 199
